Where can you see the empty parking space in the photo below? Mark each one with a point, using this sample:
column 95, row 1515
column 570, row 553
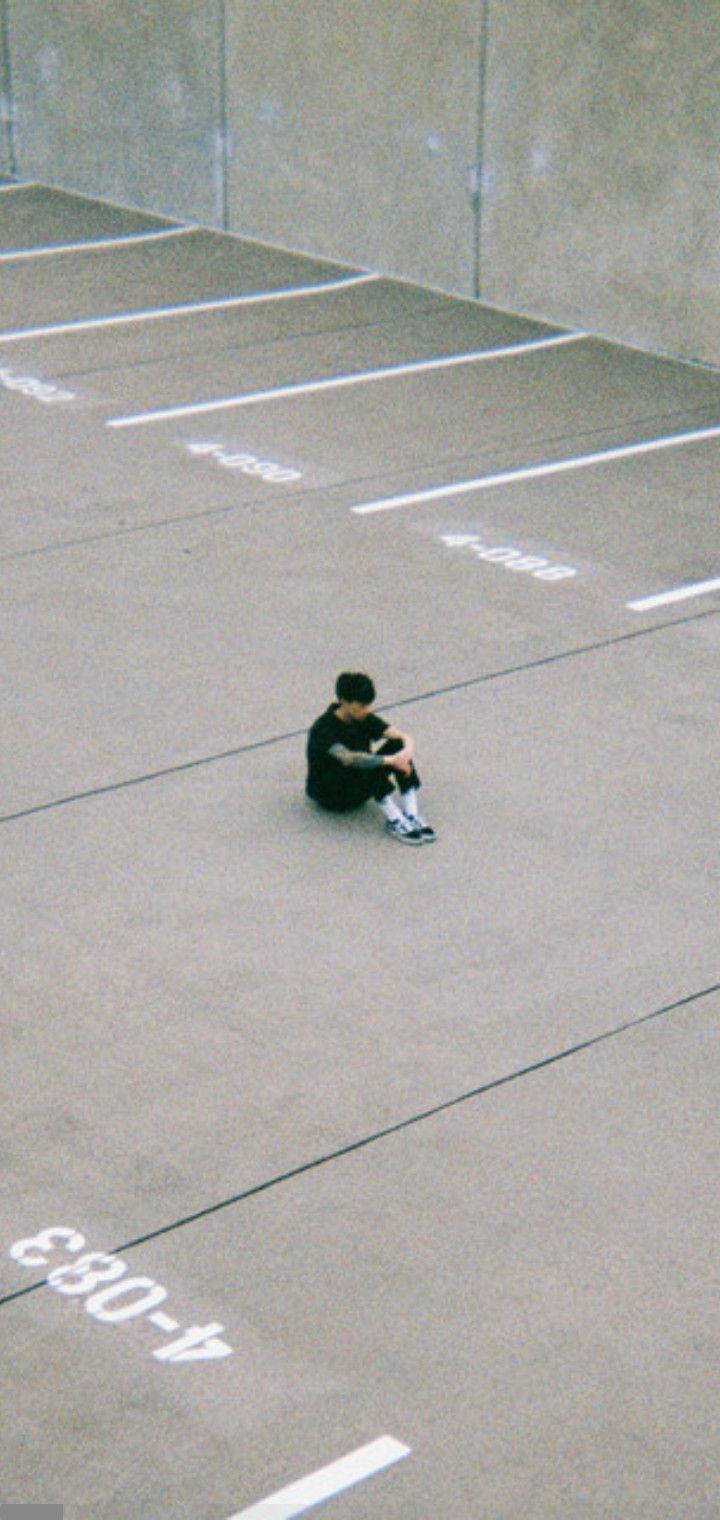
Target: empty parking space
column 154, row 334
column 33, row 216
column 404, row 1154
column 180, row 266
column 602, row 538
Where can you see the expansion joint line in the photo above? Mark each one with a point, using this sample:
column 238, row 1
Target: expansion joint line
column 6, row 87
column 477, row 191
column 223, row 140
column 298, row 733
column 395, row 1129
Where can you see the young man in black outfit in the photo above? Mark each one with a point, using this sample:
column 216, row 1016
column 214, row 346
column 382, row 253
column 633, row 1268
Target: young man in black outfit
column 344, row 770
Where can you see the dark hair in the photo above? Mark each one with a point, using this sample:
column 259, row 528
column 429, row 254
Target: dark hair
column 353, row 686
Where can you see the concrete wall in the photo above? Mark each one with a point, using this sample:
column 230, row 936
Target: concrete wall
column 354, row 126
column 120, row 98
column 557, row 157
column 601, row 204
column 6, row 144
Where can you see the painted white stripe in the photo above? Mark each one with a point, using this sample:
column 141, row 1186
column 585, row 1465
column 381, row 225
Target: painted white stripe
column 26, row 185
column 191, row 308
column 125, row 241
column 534, row 472
column 681, row 594
column 327, row 1482
column 363, row 377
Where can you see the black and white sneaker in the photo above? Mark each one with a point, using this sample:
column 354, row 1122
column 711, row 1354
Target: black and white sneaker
column 426, row 832
column 404, row 830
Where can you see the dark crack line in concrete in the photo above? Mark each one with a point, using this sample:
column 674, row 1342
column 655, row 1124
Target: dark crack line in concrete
column 392, row 1129
column 306, row 496
column 297, row 733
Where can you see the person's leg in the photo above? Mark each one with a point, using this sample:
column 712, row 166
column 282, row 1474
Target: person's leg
column 353, row 787
column 408, row 784
column 350, row 787
column 347, row 793
column 403, row 780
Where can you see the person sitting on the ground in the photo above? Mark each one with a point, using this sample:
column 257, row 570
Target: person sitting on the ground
column 344, row 770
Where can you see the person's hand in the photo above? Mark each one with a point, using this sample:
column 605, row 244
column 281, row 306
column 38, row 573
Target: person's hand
column 402, row 761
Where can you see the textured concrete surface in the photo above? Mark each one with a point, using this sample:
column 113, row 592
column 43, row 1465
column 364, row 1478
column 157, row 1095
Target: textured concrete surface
column 195, row 265
column 34, row 217
column 355, row 131
column 7, row 157
column 601, row 176
column 209, row 986
column 557, row 160
column 179, row 935
column 124, row 97
column 514, row 1288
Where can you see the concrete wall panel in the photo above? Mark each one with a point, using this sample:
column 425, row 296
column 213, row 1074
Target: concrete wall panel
column 354, row 129
column 601, row 203
column 121, row 99
column 6, row 149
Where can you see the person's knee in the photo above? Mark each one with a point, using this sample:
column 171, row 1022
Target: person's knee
column 390, row 747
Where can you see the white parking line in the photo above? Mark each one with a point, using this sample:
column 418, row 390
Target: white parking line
column 327, row 1482
column 126, row 240
column 534, row 472
column 189, row 309
column 681, row 594
column 336, row 382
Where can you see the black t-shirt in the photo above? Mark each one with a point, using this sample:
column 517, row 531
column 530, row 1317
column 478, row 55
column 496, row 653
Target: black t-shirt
column 323, row 768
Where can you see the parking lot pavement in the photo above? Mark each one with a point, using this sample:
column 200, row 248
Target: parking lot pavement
column 408, row 1155
column 507, row 1289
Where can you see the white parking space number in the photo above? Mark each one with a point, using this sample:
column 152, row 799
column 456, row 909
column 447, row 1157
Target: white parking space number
column 247, row 464
column 512, row 559
column 37, row 390
column 112, row 1298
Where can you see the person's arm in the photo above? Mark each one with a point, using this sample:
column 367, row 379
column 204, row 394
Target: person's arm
column 404, row 757
column 357, row 758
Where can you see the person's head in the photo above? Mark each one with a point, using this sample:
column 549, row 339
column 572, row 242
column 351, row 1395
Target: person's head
column 355, row 693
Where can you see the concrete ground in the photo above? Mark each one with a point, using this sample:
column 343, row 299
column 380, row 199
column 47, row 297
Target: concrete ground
column 418, row 1144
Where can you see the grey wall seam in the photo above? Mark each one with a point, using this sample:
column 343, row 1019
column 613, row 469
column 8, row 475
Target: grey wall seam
column 480, row 182
column 7, row 87
column 223, row 124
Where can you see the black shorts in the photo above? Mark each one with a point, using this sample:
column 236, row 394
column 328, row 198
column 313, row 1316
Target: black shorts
column 350, row 786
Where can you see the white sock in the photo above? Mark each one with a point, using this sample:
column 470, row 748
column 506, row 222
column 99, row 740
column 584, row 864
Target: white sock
column 410, row 803
column 390, row 809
